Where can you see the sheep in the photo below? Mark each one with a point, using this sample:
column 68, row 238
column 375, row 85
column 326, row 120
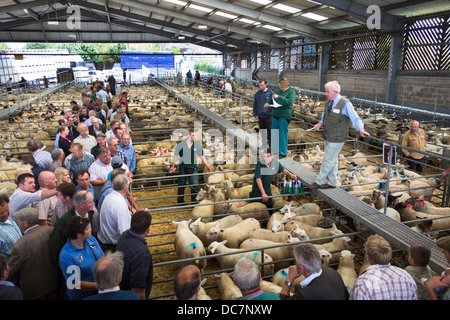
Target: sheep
column 391, row 213
column 427, row 207
column 216, row 178
column 311, row 219
column 289, row 215
column 267, row 286
column 325, row 256
column 256, row 210
column 280, row 236
column 228, row 290
column 203, row 209
column 219, row 197
column 303, row 209
column 336, row 244
column 317, row 232
column 408, row 214
column 420, row 188
column 188, row 245
column 295, row 231
column 202, row 295
column 346, row 268
column 280, row 277
column 236, row 234
column 229, row 260
column 200, row 229
column 247, row 179
column 236, row 193
column 278, row 253
column 274, row 224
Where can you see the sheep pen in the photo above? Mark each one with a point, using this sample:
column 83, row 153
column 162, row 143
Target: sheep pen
column 154, row 113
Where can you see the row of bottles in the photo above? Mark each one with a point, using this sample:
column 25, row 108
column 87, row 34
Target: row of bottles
column 292, row 186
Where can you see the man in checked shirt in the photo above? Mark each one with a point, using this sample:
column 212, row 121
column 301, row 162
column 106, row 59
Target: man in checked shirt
column 382, row 281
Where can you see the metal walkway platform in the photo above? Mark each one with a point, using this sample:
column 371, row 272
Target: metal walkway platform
column 396, row 233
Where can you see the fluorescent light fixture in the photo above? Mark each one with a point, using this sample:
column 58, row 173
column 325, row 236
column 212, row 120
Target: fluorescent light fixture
column 245, row 20
column 196, row 7
column 314, row 16
column 71, row 35
column 26, row 11
column 202, row 27
column 286, row 8
column 226, row 15
column 268, row 26
column 315, row 2
column 180, row 3
column 262, row 2
column 181, row 37
column 53, row 23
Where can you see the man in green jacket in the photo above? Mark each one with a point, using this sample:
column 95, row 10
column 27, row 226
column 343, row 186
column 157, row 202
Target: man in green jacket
column 281, row 102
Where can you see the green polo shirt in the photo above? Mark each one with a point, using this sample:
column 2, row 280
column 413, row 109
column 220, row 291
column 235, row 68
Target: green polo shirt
column 187, row 155
column 266, row 175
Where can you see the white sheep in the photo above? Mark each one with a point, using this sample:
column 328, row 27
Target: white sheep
column 311, row 219
column 188, row 245
column 274, row 223
column 278, row 253
column 229, row 260
column 303, row 209
column 202, row 295
column 325, row 256
column 280, row 236
column 204, row 208
column 295, row 231
column 200, row 228
column 337, row 244
column 346, row 268
column 256, row 210
column 267, row 286
column 391, row 213
column 236, row 193
column 235, row 234
column 227, row 288
column 317, row 232
column 280, row 277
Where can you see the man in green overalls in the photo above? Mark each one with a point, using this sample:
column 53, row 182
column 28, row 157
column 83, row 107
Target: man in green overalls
column 186, row 152
column 265, row 170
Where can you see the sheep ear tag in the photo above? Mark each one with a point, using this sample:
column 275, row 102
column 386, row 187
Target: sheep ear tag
column 409, row 206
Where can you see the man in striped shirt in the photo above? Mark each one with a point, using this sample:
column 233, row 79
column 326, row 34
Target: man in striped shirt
column 382, row 281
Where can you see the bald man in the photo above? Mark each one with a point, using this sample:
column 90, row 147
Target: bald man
column 415, row 138
column 46, row 207
column 187, row 283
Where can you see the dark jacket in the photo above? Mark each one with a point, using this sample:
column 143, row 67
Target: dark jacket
column 328, row 286
column 258, row 104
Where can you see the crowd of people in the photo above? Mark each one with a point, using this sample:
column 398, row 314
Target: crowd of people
column 73, row 230
column 72, row 221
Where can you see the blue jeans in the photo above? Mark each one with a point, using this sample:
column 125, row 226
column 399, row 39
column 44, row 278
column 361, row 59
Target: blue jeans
column 280, row 125
column 330, row 163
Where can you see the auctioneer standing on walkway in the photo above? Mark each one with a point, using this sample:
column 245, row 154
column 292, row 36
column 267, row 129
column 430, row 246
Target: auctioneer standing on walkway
column 336, row 117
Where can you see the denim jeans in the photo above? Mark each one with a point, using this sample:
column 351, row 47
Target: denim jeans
column 330, row 163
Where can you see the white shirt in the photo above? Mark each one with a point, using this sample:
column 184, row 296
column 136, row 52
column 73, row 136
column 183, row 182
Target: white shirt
column 46, row 207
column 88, row 143
column 115, row 218
column 99, row 171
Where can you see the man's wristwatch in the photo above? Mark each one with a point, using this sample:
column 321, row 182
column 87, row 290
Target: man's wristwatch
column 288, row 283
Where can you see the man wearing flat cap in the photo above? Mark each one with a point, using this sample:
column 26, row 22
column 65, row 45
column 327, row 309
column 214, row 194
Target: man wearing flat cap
column 30, row 258
column 438, row 286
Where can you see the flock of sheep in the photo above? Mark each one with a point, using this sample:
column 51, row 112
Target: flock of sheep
column 223, row 225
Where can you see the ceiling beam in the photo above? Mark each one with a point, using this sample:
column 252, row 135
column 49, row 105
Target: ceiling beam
column 302, row 29
column 389, row 22
column 211, row 22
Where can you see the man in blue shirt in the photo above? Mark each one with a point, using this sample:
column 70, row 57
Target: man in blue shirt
column 335, row 121
column 128, row 149
column 262, row 114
